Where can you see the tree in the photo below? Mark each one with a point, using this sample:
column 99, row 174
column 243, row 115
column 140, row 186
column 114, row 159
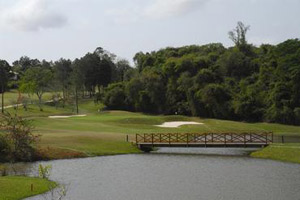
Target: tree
column 77, row 80
column 238, row 35
column 4, row 77
column 18, row 137
column 216, row 99
column 115, row 96
column 97, row 69
column 25, row 63
column 122, row 66
column 36, row 80
column 62, row 73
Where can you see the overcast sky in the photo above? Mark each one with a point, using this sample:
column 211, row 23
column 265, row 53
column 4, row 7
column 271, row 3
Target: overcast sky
column 51, row 29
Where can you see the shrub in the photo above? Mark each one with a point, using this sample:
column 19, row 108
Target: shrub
column 3, row 148
column 19, row 138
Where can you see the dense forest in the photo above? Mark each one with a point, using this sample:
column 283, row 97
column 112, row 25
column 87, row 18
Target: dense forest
column 243, row 82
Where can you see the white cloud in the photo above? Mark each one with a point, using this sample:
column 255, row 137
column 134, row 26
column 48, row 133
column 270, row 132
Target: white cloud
column 169, row 8
column 32, row 15
column 155, row 9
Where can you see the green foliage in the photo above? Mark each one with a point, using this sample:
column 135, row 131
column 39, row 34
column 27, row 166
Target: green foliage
column 4, row 75
column 115, row 97
column 45, row 171
column 242, row 82
column 36, row 80
column 3, row 148
column 18, row 141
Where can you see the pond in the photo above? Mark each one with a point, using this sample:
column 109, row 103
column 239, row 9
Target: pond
column 177, row 174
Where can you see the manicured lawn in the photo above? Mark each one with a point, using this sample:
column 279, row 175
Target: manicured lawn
column 16, row 187
column 105, row 133
column 282, row 152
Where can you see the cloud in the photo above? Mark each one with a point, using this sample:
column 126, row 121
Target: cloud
column 124, row 15
column 169, row 8
column 155, row 9
column 32, row 15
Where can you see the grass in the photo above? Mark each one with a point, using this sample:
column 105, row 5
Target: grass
column 105, row 133
column 282, row 152
column 17, row 187
column 12, row 96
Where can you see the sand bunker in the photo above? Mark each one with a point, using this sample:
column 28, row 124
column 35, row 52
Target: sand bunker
column 177, row 124
column 64, row 117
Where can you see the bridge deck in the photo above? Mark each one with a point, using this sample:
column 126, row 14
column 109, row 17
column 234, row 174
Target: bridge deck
column 203, row 140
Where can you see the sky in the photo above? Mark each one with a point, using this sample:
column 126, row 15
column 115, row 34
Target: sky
column 52, row 29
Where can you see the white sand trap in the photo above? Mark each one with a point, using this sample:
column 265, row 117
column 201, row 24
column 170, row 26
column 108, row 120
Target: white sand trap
column 177, row 124
column 64, row 117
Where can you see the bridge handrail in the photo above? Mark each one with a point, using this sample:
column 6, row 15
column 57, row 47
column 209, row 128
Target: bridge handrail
column 205, row 138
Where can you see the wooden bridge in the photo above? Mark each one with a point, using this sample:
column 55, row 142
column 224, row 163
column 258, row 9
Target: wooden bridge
column 235, row 140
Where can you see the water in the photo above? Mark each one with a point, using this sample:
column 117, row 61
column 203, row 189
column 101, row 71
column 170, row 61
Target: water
column 170, row 175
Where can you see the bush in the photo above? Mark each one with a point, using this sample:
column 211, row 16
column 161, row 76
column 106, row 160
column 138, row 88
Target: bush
column 297, row 115
column 18, row 138
column 115, row 97
column 3, row 148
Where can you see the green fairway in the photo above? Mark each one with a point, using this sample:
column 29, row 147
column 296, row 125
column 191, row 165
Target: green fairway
column 282, row 152
column 104, row 133
column 16, row 187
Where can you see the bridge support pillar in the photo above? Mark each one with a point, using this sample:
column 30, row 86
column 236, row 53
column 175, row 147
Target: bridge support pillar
column 145, row 149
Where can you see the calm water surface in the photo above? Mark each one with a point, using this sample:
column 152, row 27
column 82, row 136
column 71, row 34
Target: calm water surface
column 170, row 175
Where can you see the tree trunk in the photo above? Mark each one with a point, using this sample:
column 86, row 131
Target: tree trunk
column 64, row 97
column 2, row 100
column 76, row 100
column 40, row 101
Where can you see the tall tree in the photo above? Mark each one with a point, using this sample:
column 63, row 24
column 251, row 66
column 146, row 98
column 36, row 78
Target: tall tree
column 62, row 73
column 238, row 35
column 36, row 80
column 4, row 77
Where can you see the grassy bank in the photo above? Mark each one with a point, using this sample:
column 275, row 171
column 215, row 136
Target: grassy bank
column 16, row 187
column 105, row 133
column 282, row 152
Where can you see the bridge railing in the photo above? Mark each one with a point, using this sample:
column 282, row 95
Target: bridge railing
column 205, row 138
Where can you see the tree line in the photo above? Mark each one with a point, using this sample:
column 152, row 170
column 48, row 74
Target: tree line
column 67, row 80
column 242, row 82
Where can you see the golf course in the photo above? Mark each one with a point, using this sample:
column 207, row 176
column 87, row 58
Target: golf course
column 99, row 132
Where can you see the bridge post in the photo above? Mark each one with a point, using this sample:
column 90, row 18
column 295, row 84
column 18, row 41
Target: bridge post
column 187, row 139
column 152, row 138
column 272, row 137
column 225, row 139
column 205, row 140
column 136, row 140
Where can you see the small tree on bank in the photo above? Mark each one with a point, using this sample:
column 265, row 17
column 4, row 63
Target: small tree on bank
column 18, row 135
